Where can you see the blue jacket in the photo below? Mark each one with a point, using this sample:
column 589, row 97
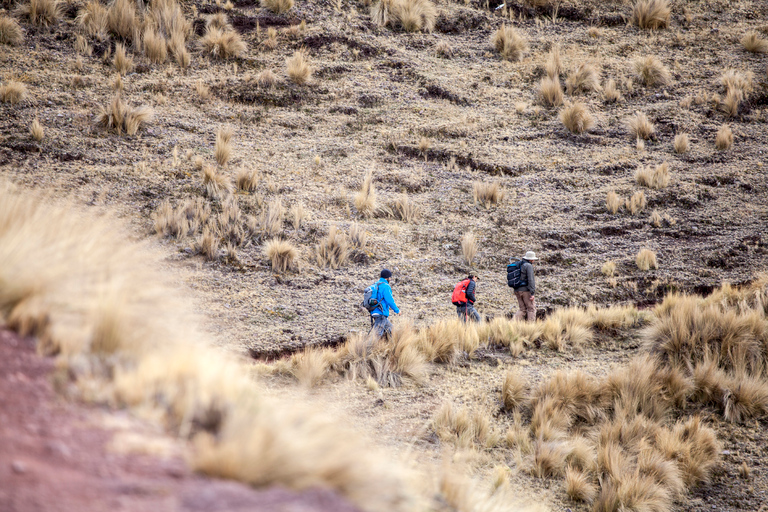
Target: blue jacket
column 384, row 296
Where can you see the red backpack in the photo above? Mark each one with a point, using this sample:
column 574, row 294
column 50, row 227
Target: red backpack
column 459, row 297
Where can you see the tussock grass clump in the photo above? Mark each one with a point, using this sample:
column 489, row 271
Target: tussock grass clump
column 297, row 67
column 651, row 14
column 584, row 78
column 655, row 178
column 282, row 254
column 646, row 260
column 155, row 46
column 553, row 67
column 410, row 15
column 724, row 138
column 579, row 486
column 333, row 249
column 443, row 49
column 266, row 78
column 357, row 235
column 612, row 202
column 464, row 427
column 487, row 193
column 10, row 31
column 217, row 185
column 119, row 117
column 576, row 118
column 299, row 214
column 655, row 219
column 365, row 199
column 222, row 44
column 550, row 92
column 513, row 390
column 122, row 61
column 278, row 6
column 611, row 93
column 36, row 130
column 682, row 143
column 650, row 71
column 402, row 208
column 218, row 20
column 41, row 12
column 247, row 179
column 271, row 221
column 509, row 43
column 93, row 19
column 223, row 147
column 752, row 42
column 469, row 247
column 636, row 203
column 208, row 243
column 608, row 268
column 122, row 19
column 13, row 92
column 640, row 127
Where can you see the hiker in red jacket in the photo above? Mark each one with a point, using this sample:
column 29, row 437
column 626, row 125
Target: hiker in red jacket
column 464, row 299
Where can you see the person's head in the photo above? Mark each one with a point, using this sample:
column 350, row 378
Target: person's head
column 386, row 274
column 530, row 256
column 473, row 277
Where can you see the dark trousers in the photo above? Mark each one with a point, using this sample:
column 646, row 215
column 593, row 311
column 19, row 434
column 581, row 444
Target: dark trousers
column 468, row 312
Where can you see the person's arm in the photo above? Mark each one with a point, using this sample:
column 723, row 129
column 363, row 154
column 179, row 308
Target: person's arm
column 390, row 300
column 471, row 292
column 531, row 281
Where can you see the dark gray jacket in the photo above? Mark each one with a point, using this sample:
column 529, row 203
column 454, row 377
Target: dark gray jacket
column 527, row 270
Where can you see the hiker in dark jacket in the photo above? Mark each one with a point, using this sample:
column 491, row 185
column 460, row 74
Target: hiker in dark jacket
column 380, row 315
column 525, row 294
column 466, row 310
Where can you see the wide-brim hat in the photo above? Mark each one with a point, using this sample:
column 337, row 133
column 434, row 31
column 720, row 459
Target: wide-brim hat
column 530, row 256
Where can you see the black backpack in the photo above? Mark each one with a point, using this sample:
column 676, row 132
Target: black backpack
column 515, row 276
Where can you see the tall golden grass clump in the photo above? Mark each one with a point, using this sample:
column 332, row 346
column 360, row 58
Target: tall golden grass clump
column 10, row 31
column 682, row 143
column 282, row 254
column 469, row 247
column 278, row 6
column 639, row 126
column 655, row 178
column 223, row 147
column 410, row 15
column 509, row 43
column 299, row 214
column 122, row 61
column 365, row 199
column 553, row 67
column 513, row 390
column 752, row 42
column 272, row 220
column 41, row 12
column 584, row 78
column 143, row 351
column 608, row 268
column 636, row 203
column 724, row 138
column 333, row 250
column 247, row 179
column 646, row 259
column 36, row 130
column 487, row 193
column 402, row 208
column 13, row 92
column 119, row 117
column 155, row 46
column 576, row 118
column 650, row 71
column 463, row 426
column 651, row 14
column 550, row 92
column 93, row 19
column 611, row 93
column 612, row 202
column 123, row 20
column 222, row 44
column 297, row 67
column 217, row 185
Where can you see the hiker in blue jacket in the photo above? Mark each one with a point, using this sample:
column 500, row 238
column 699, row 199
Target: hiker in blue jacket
column 380, row 315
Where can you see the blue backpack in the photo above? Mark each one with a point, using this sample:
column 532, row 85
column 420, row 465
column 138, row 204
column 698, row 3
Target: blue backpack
column 515, row 277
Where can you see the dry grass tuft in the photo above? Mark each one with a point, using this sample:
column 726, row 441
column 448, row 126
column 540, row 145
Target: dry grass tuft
column 554, row 66
column 443, row 49
column 636, row 203
column 655, row 178
column 223, row 147
column 639, row 126
column 752, row 42
column 550, row 92
column 463, row 426
column 646, row 259
column 93, row 19
column 299, row 214
column 41, row 12
column 266, row 78
column 247, row 179
column 118, row 117
column 651, row 14
column 514, row 390
column 272, row 220
column 608, row 268
column 222, row 44
column 208, row 243
column 365, row 199
column 282, row 255
column 724, row 138
column 402, row 208
column 612, row 202
column 155, row 46
column 410, row 15
column 682, row 143
column 611, row 94
column 357, row 235
column 122, row 61
column 36, row 130
column 469, row 247
column 579, row 486
column 298, row 68
column 487, row 193
column 13, row 92
column 584, row 78
column 655, row 219
column 10, row 31
column 650, row 71
column 122, row 19
column 333, row 250
column 576, row 118
column 202, row 90
column 509, row 43
column 549, row 459
column 217, row 186
column 278, row 6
